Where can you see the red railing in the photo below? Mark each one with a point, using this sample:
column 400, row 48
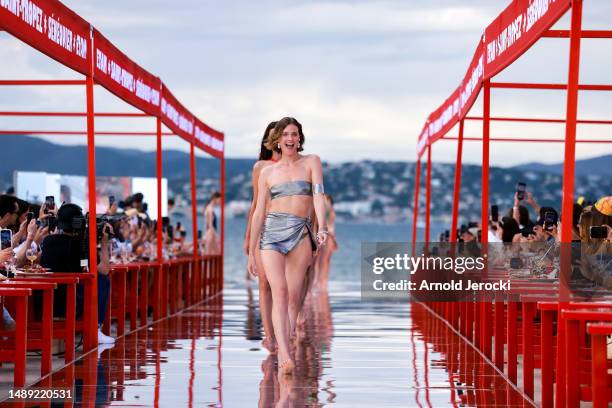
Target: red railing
column 94, row 56
column 526, row 327
column 183, row 282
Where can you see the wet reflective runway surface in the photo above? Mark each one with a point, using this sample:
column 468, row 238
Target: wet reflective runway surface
column 350, row 354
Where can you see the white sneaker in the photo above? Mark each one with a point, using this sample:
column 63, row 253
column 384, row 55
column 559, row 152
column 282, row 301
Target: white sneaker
column 104, row 339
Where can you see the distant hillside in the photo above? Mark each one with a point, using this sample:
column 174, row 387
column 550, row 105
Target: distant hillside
column 601, row 165
column 32, row 154
column 362, row 190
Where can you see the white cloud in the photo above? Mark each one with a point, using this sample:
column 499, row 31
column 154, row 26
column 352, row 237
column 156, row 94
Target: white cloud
column 362, row 76
column 370, row 17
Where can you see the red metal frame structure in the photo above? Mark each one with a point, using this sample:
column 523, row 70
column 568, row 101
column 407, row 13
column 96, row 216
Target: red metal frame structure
column 515, row 30
column 53, row 29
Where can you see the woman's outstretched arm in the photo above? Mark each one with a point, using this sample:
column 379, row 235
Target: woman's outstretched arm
column 254, row 180
column 319, row 197
column 257, row 219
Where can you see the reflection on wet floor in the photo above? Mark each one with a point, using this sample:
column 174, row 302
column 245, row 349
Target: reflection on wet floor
column 349, row 354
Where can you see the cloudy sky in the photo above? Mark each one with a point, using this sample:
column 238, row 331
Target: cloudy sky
column 361, row 76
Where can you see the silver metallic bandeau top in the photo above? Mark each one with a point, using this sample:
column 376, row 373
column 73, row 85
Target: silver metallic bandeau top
column 290, row 188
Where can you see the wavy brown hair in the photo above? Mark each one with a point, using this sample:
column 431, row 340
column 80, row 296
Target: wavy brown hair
column 272, row 143
column 591, row 217
column 264, row 152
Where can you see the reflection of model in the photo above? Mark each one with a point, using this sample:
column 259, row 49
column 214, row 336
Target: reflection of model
column 312, row 351
column 252, row 328
column 295, row 186
column 324, row 259
column 211, row 237
column 266, row 158
column 268, row 387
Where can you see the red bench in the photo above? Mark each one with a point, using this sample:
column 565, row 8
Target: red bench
column 14, row 349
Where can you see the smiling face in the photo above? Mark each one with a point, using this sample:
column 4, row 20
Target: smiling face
column 288, row 137
column 290, row 140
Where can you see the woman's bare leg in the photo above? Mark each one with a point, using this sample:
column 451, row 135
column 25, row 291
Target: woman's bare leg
column 320, row 261
column 296, row 265
column 309, row 281
column 317, row 269
column 274, row 267
column 325, row 264
column 265, row 305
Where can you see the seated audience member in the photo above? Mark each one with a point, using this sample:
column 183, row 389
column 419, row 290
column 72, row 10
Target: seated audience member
column 520, row 213
column 471, row 240
column 8, row 217
column 138, row 202
column 8, row 211
column 508, row 230
column 31, row 233
column 34, row 236
column 596, row 252
column 63, row 252
column 577, row 210
column 546, row 230
column 9, row 323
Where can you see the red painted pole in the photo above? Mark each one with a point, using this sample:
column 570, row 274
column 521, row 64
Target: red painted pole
column 583, row 34
column 484, row 205
column 222, row 216
column 558, row 87
column 195, row 286
column 428, row 195
column 457, row 188
column 77, row 133
column 483, row 330
column 92, row 339
column 41, row 82
column 523, row 140
column 194, row 209
column 157, row 287
column 570, row 127
column 159, row 171
column 74, row 114
column 568, row 190
column 415, row 207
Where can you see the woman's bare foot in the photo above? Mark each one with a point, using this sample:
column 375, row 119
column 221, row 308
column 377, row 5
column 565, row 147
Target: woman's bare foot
column 285, row 383
column 286, row 367
column 269, row 344
column 301, row 320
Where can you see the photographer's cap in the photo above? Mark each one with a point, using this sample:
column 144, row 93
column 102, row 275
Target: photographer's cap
column 604, row 205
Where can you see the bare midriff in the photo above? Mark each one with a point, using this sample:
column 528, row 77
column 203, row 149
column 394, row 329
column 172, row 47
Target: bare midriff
column 299, row 205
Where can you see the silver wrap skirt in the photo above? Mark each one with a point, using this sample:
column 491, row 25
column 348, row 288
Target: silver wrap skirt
column 283, row 231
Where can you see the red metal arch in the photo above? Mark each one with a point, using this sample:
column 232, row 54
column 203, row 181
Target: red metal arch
column 53, row 29
column 510, row 35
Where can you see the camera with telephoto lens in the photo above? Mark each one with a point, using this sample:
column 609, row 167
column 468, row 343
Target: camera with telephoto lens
column 81, row 224
column 112, row 220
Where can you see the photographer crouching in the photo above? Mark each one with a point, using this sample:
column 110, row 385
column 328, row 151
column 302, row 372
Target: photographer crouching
column 65, row 251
